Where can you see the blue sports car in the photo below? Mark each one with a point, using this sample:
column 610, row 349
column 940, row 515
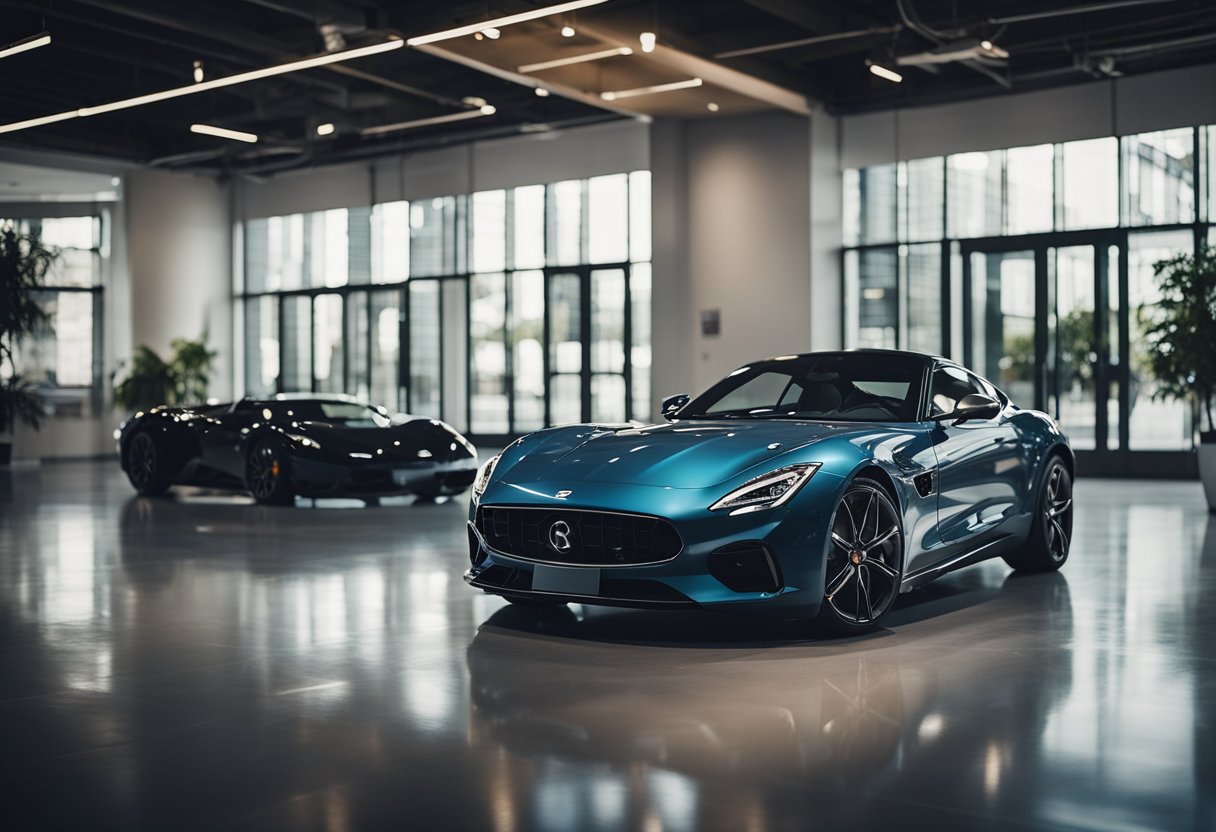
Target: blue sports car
column 815, row 486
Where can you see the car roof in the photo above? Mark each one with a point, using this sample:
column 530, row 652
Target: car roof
column 336, row 398
column 866, row 351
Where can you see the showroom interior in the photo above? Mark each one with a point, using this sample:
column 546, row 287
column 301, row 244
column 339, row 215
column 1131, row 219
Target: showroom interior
column 507, row 217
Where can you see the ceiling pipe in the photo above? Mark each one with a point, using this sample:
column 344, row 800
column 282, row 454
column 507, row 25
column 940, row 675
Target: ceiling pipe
column 913, row 22
column 1063, row 12
column 811, row 41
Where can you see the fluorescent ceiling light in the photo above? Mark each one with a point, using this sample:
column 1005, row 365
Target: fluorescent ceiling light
column 223, row 133
column 576, row 59
column 675, row 85
column 487, row 110
column 647, row 39
column 491, row 32
column 215, row 83
column 26, row 45
column 883, row 72
column 499, row 22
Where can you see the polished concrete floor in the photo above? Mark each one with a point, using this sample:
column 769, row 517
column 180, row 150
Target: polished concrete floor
column 201, row 662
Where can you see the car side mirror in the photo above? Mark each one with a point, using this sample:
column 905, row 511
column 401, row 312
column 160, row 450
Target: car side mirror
column 672, row 405
column 971, row 406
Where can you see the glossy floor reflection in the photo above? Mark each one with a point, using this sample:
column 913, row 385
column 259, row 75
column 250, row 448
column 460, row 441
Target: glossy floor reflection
column 201, row 662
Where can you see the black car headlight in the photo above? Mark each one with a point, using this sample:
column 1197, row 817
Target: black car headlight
column 769, row 491
column 483, row 476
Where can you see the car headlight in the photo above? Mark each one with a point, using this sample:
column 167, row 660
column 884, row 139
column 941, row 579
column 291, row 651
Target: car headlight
column 305, row 441
column 464, row 443
column 769, row 491
column 483, row 475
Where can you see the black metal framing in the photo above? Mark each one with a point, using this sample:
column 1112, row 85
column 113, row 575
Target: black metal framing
column 464, row 276
column 1104, row 459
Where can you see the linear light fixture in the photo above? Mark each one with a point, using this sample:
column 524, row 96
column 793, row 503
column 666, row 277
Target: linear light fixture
column 499, row 22
column 882, row 72
column 223, row 133
column 487, row 110
column 215, row 83
column 32, row 42
column 576, row 59
column 674, row 85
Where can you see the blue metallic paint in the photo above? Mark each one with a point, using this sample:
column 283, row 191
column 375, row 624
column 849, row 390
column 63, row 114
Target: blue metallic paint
column 985, row 478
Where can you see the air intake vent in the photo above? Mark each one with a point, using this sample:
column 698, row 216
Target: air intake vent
column 747, row 566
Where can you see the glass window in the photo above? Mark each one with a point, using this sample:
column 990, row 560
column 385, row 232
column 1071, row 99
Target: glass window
column 60, row 352
column 1159, row 177
column 488, row 368
column 639, row 298
column 529, row 219
column 922, row 269
column 1156, row 423
column 974, row 193
column 257, row 254
column 390, row 242
column 489, row 231
column 565, row 223
column 261, row 346
column 384, row 366
column 877, row 195
column 329, row 345
column 77, row 239
column 608, row 219
column 1029, row 177
column 433, row 236
column 1076, row 350
column 1002, row 321
column 950, row 386
column 565, row 349
column 870, row 279
column 359, row 246
column 355, row 341
column 527, row 349
column 639, row 215
column 425, row 371
column 922, row 201
column 608, row 345
column 328, row 252
column 297, row 344
column 455, row 334
column 1210, row 167
column 1087, row 192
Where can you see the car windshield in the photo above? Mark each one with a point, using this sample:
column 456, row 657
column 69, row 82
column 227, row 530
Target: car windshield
column 346, row 414
column 838, row 387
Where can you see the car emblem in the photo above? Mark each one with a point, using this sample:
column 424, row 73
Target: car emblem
column 563, row 494
column 559, row 536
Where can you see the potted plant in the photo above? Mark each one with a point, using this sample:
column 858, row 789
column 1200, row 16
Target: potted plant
column 24, row 262
column 1180, row 334
column 152, row 381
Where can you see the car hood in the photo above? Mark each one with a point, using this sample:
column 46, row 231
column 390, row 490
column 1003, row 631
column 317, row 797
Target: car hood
column 691, row 454
column 392, row 442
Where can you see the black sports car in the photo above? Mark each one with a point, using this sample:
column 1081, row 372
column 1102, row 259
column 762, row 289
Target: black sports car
column 295, row 445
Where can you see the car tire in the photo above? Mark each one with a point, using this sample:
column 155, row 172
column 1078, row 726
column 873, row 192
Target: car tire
column 864, row 561
column 268, row 473
column 1050, row 538
column 146, row 465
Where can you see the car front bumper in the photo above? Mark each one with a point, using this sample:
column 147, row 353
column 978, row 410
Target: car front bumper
column 793, row 539
column 315, row 478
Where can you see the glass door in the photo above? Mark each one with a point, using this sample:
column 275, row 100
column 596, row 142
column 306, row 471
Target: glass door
column 1043, row 323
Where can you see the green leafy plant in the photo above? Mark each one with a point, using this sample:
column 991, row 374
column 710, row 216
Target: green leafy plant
column 24, row 262
column 1180, row 330
column 152, row 381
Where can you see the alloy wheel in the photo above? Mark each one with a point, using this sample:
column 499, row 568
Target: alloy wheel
column 141, row 460
column 863, row 560
column 1057, row 513
column 265, row 470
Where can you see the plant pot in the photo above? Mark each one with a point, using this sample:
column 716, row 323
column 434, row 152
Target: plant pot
column 6, row 452
column 1207, row 466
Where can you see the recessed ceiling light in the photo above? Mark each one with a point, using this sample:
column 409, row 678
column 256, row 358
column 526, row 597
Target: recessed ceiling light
column 487, row 109
column 474, row 100
column 325, row 129
column 542, row 92
column 576, row 59
column 675, row 85
column 491, row 32
column 647, row 39
column 568, row 32
column 712, row 107
column 223, row 133
column 198, row 72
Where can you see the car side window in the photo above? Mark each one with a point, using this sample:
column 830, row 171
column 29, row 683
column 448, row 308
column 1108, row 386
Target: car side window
column 950, row 385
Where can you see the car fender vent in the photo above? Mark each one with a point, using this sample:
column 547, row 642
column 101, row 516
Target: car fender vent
column 924, row 483
column 747, row 566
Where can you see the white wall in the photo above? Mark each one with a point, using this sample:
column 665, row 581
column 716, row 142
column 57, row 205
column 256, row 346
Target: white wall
column 1116, row 107
column 179, row 237
column 733, row 231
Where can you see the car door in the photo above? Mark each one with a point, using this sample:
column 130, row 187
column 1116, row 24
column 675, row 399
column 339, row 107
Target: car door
column 981, row 473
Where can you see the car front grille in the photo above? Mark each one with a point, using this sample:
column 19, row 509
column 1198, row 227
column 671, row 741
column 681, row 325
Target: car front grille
column 578, row 538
